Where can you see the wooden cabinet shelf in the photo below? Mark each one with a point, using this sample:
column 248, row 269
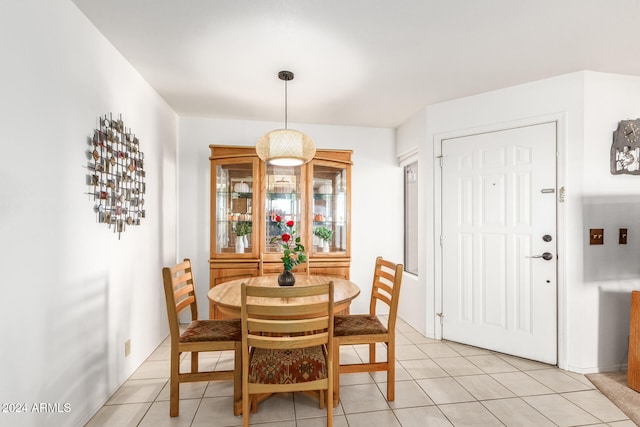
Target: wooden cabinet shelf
column 247, row 195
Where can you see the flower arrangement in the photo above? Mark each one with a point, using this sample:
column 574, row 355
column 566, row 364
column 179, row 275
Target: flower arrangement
column 293, row 250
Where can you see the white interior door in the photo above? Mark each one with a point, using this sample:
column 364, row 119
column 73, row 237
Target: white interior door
column 499, row 268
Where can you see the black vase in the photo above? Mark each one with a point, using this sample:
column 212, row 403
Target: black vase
column 286, row 278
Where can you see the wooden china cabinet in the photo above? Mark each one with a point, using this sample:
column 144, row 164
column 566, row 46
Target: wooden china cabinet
column 246, row 196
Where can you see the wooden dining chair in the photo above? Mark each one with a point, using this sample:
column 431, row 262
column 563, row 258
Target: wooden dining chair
column 368, row 329
column 199, row 336
column 287, row 348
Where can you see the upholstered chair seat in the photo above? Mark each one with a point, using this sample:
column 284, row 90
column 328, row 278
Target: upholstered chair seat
column 358, row 324
column 212, row 330
column 269, row 366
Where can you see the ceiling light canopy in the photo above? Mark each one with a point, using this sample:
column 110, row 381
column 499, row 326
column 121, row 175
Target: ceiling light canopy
column 285, row 147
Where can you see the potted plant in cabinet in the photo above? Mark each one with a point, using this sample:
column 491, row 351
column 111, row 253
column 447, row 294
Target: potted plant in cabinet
column 241, row 230
column 324, row 234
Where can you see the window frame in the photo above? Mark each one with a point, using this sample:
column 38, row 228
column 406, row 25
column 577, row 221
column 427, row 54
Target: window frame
column 411, row 242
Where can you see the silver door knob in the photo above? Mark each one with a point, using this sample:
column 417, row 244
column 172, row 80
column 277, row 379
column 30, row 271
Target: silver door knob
column 547, row 256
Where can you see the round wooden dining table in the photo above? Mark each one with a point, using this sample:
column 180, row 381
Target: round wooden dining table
column 226, row 296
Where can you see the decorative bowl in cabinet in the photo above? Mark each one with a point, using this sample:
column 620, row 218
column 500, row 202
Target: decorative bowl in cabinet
column 241, row 187
column 325, row 189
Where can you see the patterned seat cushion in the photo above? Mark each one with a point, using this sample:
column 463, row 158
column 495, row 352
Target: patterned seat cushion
column 212, row 330
column 287, row 366
column 357, row 324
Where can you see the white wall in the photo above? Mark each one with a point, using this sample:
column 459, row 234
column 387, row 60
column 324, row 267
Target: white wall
column 609, row 272
column 72, row 293
column 410, row 145
column 377, row 212
column 594, row 282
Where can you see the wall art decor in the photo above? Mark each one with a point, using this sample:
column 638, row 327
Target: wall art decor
column 116, row 175
column 625, row 150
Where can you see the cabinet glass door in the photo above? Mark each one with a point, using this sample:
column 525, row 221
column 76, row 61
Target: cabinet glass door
column 329, row 208
column 283, row 198
column 234, row 208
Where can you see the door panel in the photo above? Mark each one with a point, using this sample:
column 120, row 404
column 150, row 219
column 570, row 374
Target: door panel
column 497, row 293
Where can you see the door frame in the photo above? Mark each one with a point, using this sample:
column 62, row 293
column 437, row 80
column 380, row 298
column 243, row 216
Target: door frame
column 560, row 120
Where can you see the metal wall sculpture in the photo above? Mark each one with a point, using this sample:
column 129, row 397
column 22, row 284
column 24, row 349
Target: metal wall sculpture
column 625, row 150
column 116, row 175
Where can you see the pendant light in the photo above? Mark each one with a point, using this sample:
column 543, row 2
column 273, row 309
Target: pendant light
column 285, row 147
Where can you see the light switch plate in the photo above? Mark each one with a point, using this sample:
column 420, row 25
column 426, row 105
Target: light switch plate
column 622, row 236
column 596, row 236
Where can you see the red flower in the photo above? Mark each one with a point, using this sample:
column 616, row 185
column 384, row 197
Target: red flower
column 278, row 218
column 290, row 223
column 286, row 237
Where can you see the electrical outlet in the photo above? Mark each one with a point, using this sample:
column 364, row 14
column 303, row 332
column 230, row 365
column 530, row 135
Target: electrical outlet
column 596, row 236
column 622, row 236
column 127, row 348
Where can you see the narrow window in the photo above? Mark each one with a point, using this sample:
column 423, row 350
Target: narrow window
column 411, row 218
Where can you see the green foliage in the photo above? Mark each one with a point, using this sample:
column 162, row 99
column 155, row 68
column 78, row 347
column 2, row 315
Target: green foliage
column 243, row 228
column 323, row 233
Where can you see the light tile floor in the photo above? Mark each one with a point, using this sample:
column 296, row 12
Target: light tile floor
column 439, row 383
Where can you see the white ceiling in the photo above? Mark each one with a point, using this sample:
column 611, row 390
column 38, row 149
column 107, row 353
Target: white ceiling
column 359, row 62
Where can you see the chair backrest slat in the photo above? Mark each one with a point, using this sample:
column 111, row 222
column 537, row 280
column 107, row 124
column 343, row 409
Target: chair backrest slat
column 299, row 341
column 286, row 326
column 287, row 311
column 388, row 264
column 185, row 265
column 184, row 304
column 382, row 297
column 286, row 292
column 383, row 274
column 182, row 278
column 384, row 289
column 179, row 293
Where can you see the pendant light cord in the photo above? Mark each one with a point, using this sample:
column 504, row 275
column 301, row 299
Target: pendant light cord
column 285, row 104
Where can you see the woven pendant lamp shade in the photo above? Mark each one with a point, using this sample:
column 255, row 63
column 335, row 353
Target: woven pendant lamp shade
column 285, row 147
